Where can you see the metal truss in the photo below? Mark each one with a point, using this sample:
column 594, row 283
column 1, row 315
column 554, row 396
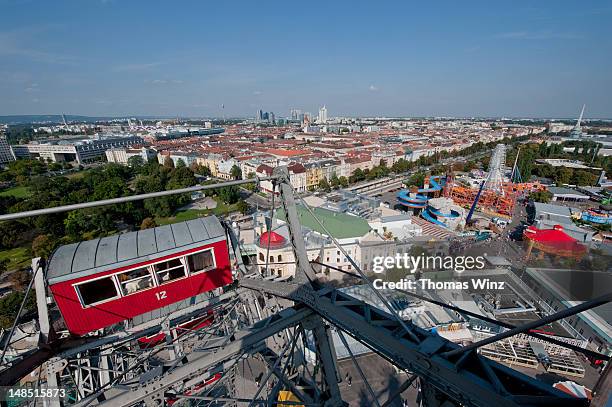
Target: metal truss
column 201, row 366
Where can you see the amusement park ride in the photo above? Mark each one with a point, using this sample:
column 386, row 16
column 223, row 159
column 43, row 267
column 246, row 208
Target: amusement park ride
column 156, row 318
column 495, row 195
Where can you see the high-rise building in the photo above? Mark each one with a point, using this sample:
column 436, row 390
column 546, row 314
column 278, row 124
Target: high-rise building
column 271, row 118
column 295, row 114
column 259, row 115
column 577, row 130
column 323, row 115
column 6, row 153
column 306, row 119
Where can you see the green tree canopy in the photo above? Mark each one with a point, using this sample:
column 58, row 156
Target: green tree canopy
column 324, row 185
column 229, row 195
column 236, row 172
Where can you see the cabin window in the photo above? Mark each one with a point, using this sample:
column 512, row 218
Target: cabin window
column 98, row 290
column 169, row 270
column 202, row 261
column 135, row 280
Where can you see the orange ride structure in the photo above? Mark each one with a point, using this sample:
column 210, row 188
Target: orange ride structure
column 498, row 196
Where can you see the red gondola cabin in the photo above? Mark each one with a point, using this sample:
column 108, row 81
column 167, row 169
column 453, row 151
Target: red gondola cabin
column 101, row 282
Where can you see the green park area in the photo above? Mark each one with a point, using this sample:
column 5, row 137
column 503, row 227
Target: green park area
column 17, row 192
column 17, row 258
column 221, row 209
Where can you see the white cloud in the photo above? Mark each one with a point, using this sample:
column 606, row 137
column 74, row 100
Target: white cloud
column 538, row 35
column 373, row 88
column 164, row 81
column 32, row 88
column 136, row 67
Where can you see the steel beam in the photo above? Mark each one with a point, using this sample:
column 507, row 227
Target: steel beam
column 304, row 270
column 568, row 312
column 469, row 383
column 586, row 352
column 246, row 341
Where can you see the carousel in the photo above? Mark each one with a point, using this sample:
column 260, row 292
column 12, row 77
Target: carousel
column 553, row 241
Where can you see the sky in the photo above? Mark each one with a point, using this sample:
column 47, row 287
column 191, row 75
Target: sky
column 359, row 58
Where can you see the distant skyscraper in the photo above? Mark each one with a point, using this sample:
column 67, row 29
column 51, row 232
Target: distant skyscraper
column 271, row 118
column 259, row 115
column 6, row 153
column 323, row 115
column 577, row 131
column 295, row 114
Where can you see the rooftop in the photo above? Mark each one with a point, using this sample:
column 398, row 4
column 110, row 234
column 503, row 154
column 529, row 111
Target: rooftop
column 552, row 209
column 340, row 225
column 565, row 191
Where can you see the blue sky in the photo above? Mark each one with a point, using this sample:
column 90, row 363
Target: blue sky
column 122, row 57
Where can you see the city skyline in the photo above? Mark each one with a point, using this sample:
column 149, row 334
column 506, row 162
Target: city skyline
column 405, row 60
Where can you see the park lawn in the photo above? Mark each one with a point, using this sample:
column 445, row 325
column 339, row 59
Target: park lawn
column 17, row 192
column 76, row 174
column 182, row 216
column 223, row 208
column 19, row 257
column 189, row 214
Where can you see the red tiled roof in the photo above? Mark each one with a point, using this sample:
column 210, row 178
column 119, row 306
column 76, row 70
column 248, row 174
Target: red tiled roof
column 296, row 168
column 263, row 168
column 286, row 153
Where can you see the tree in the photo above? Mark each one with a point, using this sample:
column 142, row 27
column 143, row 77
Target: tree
column 147, row 223
column 343, row 181
column 563, row 176
column 181, row 177
column 334, row 181
column 168, row 163
column 541, row 196
column 251, row 186
column 180, row 163
column 10, row 233
column 136, row 162
column 324, row 185
column 42, row 246
column 199, row 169
column 20, row 279
column 3, row 266
column 236, row 172
column 416, row 180
column 9, row 307
column 229, row 195
column 242, row 207
column 163, row 206
column 583, row 178
column 358, row 175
